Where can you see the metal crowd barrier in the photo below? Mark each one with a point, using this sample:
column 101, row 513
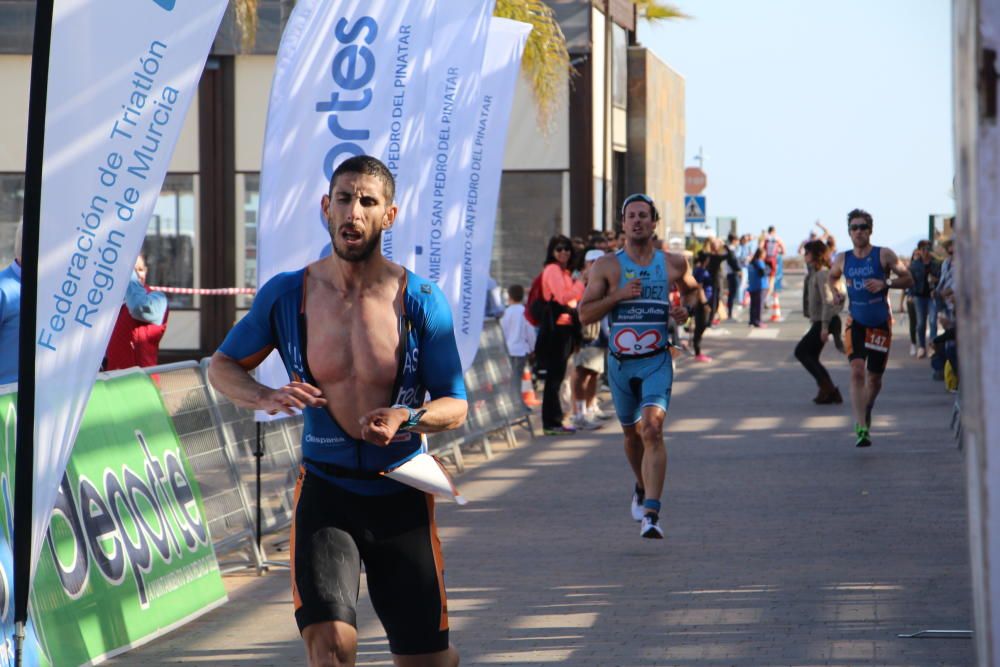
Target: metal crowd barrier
column 280, row 451
column 495, row 404
column 220, row 440
column 195, row 414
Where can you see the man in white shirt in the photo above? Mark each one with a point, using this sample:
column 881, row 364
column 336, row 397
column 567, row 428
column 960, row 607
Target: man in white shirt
column 518, row 333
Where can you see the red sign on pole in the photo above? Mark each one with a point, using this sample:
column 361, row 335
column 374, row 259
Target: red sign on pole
column 695, row 181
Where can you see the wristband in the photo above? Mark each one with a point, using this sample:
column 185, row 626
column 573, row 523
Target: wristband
column 413, row 416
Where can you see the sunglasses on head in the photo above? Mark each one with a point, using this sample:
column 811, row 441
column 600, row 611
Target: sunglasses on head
column 643, row 198
column 855, row 228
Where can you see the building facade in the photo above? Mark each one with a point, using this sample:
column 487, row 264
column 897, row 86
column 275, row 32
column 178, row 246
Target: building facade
column 618, row 127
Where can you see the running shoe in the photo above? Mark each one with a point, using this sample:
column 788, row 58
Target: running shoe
column 703, row 358
column 650, row 527
column 584, row 423
column 913, row 349
column 863, row 438
column 637, row 509
column 559, row 430
column 597, row 413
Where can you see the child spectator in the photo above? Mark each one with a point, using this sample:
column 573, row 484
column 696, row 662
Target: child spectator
column 518, row 333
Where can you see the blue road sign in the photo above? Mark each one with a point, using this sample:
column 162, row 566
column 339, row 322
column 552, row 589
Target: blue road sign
column 694, row 208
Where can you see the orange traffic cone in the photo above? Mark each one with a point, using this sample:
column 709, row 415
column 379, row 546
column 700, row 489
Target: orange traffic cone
column 776, row 313
column 528, row 390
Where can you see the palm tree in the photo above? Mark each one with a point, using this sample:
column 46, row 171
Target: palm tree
column 546, row 59
column 653, row 10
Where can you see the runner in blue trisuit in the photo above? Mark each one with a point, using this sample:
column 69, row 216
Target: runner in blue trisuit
column 363, row 341
column 868, row 331
column 632, row 287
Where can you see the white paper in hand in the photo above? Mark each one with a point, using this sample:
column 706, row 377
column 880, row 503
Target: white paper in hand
column 426, row 473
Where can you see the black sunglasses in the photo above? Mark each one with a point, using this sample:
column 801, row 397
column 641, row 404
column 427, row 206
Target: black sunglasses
column 559, row 248
column 855, row 228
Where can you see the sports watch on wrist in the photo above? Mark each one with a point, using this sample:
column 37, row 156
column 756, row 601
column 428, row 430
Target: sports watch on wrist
column 413, row 416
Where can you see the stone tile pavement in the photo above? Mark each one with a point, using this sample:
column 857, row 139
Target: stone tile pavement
column 785, row 544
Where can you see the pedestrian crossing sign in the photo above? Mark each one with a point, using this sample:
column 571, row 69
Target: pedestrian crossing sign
column 694, row 208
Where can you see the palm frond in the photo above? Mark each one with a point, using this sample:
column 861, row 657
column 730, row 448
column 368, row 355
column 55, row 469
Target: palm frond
column 654, row 10
column 246, row 22
column 546, row 58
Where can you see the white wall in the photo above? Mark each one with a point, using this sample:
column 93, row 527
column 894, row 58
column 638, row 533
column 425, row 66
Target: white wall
column 528, row 147
column 185, row 157
column 598, row 64
column 253, row 90
column 15, row 73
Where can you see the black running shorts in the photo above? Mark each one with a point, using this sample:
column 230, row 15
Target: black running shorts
column 334, row 531
column 854, row 343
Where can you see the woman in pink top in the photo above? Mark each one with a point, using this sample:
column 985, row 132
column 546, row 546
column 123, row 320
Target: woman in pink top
column 557, row 333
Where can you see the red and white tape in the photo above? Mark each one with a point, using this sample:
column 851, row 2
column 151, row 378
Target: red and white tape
column 220, row 291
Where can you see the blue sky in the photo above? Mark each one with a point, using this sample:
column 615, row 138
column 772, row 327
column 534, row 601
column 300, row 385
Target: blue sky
column 807, row 109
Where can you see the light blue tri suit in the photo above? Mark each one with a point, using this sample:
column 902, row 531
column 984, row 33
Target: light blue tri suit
column 429, row 364
column 641, row 369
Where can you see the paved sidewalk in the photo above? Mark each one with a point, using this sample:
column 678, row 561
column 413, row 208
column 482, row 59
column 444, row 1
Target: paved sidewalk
column 785, row 544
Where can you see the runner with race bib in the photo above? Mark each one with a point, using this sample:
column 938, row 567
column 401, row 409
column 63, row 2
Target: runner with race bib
column 633, row 286
column 868, row 330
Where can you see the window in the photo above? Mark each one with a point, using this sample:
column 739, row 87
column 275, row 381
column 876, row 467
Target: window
column 247, row 214
column 11, row 211
column 171, row 238
column 619, row 66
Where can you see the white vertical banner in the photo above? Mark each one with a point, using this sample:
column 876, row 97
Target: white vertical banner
column 122, row 74
column 428, row 240
column 349, row 80
column 501, row 68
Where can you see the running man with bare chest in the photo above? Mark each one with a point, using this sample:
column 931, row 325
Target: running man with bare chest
column 632, row 286
column 363, row 341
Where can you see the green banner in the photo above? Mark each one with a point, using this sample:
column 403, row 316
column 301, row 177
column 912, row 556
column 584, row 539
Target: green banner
column 128, row 555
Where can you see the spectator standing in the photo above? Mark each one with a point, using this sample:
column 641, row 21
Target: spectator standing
column 945, row 345
column 518, row 334
column 10, row 313
column 717, row 254
column 701, row 312
column 910, row 308
column 925, row 271
column 733, row 272
column 757, row 280
column 589, row 363
column 141, row 323
column 946, row 285
column 557, row 331
column 821, row 308
column 743, row 253
column 597, row 241
column 813, row 235
column 774, row 249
